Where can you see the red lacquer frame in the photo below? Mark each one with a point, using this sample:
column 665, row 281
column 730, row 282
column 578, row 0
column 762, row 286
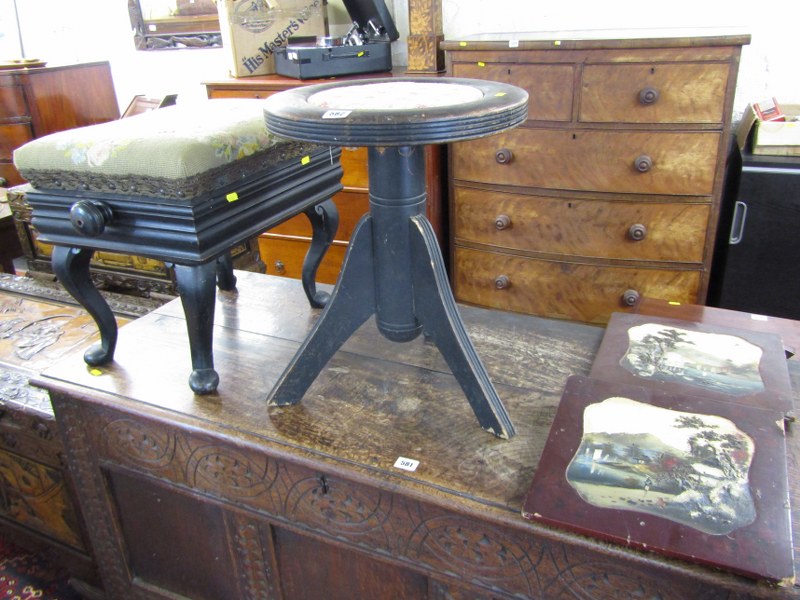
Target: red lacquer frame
column 762, row 550
column 777, row 392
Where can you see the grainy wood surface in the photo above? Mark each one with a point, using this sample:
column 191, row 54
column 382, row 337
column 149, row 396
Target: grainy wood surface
column 323, row 469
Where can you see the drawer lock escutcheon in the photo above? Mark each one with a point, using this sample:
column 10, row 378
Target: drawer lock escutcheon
column 637, row 232
column 502, row 222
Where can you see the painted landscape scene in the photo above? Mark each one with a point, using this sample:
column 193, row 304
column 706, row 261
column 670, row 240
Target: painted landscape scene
column 689, row 468
column 719, row 362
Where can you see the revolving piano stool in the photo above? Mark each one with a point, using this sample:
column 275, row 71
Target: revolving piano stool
column 182, row 185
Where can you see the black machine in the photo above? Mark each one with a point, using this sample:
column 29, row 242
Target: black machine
column 365, row 49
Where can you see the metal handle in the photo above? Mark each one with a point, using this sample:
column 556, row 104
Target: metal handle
column 648, row 95
column 630, row 298
column 503, row 156
column 643, row 163
column 502, row 282
column 280, row 268
column 90, row 218
column 737, row 225
column 502, row 222
column 637, row 232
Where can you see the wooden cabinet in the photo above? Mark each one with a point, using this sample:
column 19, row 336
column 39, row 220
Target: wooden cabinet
column 222, row 496
column 284, row 247
column 610, row 191
column 44, row 100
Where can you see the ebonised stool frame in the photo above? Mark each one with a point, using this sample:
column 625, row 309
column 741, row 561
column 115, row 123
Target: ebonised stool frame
column 194, row 237
column 393, row 267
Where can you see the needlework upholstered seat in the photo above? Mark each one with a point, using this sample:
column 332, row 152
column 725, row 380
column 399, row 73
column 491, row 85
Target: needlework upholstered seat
column 181, row 184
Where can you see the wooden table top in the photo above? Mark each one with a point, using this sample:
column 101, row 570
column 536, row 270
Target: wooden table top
column 375, row 401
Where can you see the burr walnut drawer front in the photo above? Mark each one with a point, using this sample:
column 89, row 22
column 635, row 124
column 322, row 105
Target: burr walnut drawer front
column 653, row 93
column 561, row 289
column 635, row 230
column 550, row 87
column 629, row 161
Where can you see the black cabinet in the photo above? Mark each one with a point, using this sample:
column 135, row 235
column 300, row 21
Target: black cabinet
column 757, row 261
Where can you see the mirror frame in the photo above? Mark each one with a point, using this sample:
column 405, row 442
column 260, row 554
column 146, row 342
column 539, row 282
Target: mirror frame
column 173, row 33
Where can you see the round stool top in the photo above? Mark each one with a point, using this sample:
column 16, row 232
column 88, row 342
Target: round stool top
column 396, row 112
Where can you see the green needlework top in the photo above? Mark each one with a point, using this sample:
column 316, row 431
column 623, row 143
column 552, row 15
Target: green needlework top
column 174, row 142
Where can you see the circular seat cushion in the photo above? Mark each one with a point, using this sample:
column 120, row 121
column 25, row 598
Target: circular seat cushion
column 179, row 151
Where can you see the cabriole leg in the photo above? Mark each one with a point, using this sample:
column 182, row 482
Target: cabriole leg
column 71, row 267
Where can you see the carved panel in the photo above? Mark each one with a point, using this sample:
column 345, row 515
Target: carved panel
column 256, row 557
column 35, row 495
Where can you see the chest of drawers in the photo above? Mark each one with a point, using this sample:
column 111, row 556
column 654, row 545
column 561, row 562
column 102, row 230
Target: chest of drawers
column 610, row 191
column 284, row 247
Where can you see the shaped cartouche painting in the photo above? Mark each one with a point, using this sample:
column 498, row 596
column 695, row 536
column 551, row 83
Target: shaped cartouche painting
column 686, row 467
column 719, row 362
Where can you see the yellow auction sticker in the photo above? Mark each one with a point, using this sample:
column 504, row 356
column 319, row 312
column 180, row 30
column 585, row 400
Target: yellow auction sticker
column 232, row 197
column 305, row 160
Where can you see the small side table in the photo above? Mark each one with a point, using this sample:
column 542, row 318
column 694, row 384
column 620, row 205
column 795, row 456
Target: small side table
column 394, row 268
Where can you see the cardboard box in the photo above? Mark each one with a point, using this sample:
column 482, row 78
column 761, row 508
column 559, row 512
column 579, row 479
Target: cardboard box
column 253, row 29
column 775, row 137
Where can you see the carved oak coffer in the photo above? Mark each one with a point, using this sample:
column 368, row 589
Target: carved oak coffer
column 222, row 497
column 38, row 505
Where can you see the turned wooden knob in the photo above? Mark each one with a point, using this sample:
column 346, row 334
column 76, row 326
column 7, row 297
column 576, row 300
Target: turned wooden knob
column 502, row 222
column 637, row 232
column 90, row 218
column 643, row 163
column 280, row 268
column 648, row 95
column 502, row 282
column 503, row 156
column 3, row 182
column 630, row 298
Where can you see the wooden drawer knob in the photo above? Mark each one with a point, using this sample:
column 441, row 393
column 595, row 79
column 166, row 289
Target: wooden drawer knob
column 648, row 95
column 630, row 298
column 503, row 156
column 3, row 182
column 502, row 282
column 502, row 222
column 643, row 163
column 90, row 218
column 637, row 232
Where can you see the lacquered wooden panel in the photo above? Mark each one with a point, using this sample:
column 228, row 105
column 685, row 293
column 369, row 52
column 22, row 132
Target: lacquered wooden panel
column 351, row 206
column 13, row 136
column 672, row 231
column 550, row 86
column 593, row 160
column 687, row 93
column 12, row 100
column 284, row 256
column 561, row 289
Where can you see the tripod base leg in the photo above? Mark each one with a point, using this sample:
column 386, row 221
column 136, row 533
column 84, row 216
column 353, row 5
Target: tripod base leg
column 436, row 309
